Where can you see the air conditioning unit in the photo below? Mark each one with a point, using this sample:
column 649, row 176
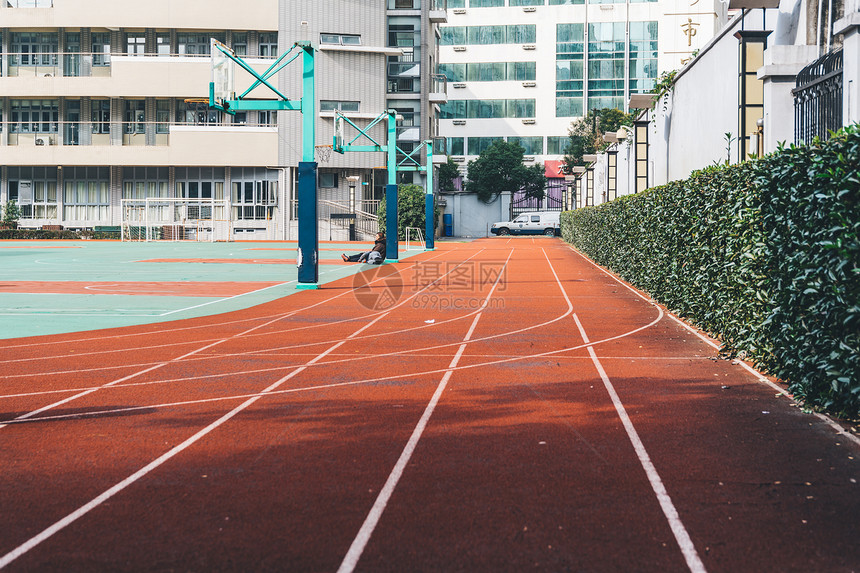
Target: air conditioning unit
column 459, row 122
column 529, row 47
column 43, row 141
column 458, row 86
column 459, row 48
column 529, row 84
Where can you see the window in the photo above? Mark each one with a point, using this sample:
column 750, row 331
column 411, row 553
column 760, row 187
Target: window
column 453, row 72
column 162, row 116
column 530, row 145
column 197, row 112
column 100, row 115
column 101, row 48
column 569, row 70
column 479, row 144
column 525, row 2
column 557, row 144
column 403, row 4
column 643, row 56
column 200, row 183
column 145, row 182
column 606, row 47
column 135, row 116
column 401, row 35
column 455, row 145
column 35, row 190
column 452, row 36
column 483, row 35
column 268, row 117
column 34, row 49
column 521, row 71
column 522, row 34
column 328, row 179
column 332, row 105
column 341, row 39
column 86, row 195
column 269, row 45
column 193, row 44
column 485, row 3
column 162, row 44
column 565, row 2
column 240, row 43
column 135, row 43
column 34, row 116
column 255, row 193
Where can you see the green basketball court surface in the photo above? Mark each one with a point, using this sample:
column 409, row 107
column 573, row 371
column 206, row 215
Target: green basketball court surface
column 51, row 287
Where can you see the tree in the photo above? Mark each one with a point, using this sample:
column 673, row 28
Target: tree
column 11, row 213
column 500, row 168
column 411, row 205
column 448, row 171
column 586, row 134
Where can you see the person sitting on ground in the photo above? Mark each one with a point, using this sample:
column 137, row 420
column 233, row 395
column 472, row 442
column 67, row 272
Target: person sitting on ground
column 373, row 256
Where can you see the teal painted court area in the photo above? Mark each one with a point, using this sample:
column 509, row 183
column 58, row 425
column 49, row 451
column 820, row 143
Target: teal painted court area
column 52, row 287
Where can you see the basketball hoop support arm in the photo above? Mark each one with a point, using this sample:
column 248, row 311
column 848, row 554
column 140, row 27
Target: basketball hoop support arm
column 409, row 163
column 308, row 253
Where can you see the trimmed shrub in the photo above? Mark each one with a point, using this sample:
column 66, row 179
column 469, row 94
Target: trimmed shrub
column 764, row 255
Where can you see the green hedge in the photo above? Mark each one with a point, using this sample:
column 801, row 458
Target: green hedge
column 764, row 254
column 39, row 234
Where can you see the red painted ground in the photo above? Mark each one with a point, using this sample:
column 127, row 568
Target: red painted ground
column 463, row 427
column 200, row 288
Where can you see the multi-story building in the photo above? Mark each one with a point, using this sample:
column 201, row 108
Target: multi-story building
column 523, row 70
column 104, row 101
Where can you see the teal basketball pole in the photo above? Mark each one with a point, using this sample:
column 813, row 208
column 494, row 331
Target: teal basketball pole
column 408, row 163
column 307, row 258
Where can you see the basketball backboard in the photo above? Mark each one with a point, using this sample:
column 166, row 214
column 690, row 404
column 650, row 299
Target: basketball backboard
column 338, row 133
column 222, row 73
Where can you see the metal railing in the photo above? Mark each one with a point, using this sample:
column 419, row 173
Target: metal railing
column 818, row 99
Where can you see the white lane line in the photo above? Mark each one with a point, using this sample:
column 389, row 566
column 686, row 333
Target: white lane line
column 361, row 540
column 86, row 508
column 758, row 375
column 681, row 536
column 292, row 330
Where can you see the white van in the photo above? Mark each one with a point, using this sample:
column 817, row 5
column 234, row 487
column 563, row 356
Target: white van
column 534, row 223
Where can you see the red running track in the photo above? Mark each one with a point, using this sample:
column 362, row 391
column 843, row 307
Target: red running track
column 500, row 405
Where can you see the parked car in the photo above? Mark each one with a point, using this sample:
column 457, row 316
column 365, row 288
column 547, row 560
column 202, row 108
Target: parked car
column 534, row 223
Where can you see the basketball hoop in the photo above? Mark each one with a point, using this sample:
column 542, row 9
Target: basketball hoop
column 323, row 153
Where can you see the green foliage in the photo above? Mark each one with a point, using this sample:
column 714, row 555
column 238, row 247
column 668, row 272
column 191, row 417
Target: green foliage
column 411, row 205
column 586, row 134
column 500, row 168
column 11, row 212
column 41, row 234
column 446, row 174
column 764, row 254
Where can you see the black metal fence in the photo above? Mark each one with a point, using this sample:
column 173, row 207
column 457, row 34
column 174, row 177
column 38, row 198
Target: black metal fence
column 818, row 99
column 552, row 201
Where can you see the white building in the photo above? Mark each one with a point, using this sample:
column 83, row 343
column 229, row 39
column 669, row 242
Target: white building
column 523, row 70
column 105, row 101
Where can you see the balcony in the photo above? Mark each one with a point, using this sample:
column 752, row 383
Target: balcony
column 217, row 14
column 112, row 75
column 139, row 143
column 438, row 11
column 438, row 89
